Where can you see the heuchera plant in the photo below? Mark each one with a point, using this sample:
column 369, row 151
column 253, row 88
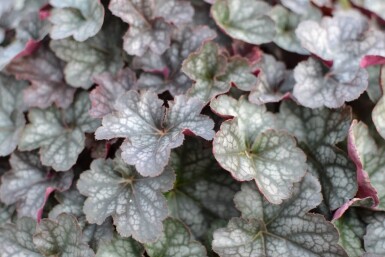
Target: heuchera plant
column 192, row 128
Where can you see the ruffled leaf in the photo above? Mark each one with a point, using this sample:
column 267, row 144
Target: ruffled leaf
column 153, row 130
column 135, row 203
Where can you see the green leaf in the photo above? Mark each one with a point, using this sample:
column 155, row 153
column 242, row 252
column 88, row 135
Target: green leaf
column 176, row 240
column 120, row 247
column 59, row 133
column 375, row 236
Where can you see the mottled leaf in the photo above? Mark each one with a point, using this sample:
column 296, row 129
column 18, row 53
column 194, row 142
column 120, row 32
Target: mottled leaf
column 109, row 88
column 61, row 237
column 203, row 191
column 153, row 130
column 59, row 134
column 245, row 20
column 317, row 85
column 44, row 71
column 16, row 239
column 375, row 6
column 80, row 19
column 375, row 236
column 98, row 54
column 135, row 203
column 176, row 240
column 278, row 230
column 121, row 247
column 250, row 150
column 12, row 119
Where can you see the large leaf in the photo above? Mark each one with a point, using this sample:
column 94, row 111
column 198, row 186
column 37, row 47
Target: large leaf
column 135, row 203
column 98, row 54
column 59, row 133
column 274, row 230
column 120, row 247
column 375, row 236
column 203, row 192
column 250, row 150
column 109, row 88
column 12, row 119
column 318, row 130
column 80, row 19
column 61, row 237
column 175, row 241
column 28, row 182
column 246, row 20
column 150, row 23
column 16, row 239
column 44, row 70
column 213, row 73
column 163, row 72
column 153, row 130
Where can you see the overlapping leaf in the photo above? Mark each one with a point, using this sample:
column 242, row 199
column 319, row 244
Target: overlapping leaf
column 150, row 23
column 136, row 203
column 378, row 113
column 44, row 71
column 59, row 134
column 375, row 236
column 374, row 6
column 176, row 240
column 153, row 130
column 80, row 19
column 245, row 20
column 61, row 237
column 109, row 88
column 120, row 247
column 163, row 72
column 11, row 113
column 98, row 54
column 317, row 131
column 203, row 191
column 27, row 183
column 250, row 149
column 286, row 229
column 213, row 72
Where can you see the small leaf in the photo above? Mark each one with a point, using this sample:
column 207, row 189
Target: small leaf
column 98, row 54
column 109, row 88
column 44, row 70
column 81, row 20
column 135, row 203
column 176, row 240
column 12, row 119
column 61, row 237
column 16, row 239
column 120, row 247
column 153, row 130
column 245, row 20
column 318, row 86
column 273, row 230
column 250, row 151
column 27, row 182
column 59, row 134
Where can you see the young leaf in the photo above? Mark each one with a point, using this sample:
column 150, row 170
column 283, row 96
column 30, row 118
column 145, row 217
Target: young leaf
column 44, row 70
column 163, row 72
column 12, row 119
column 317, row 86
column 28, row 182
column 203, row 191
column 135, row 203
column 150, row 23
column 109, row 88
column 317, row 131
column 98, row 54
column 59, row 133
column 81, row 20
column 120, row 247
column 16, row 239
column 245, row 20
column 153, row 130
column 176, row 240
column 250, row 150
column 375, row 236
column 61, row 237
column 272, row 230
column 213, row 73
